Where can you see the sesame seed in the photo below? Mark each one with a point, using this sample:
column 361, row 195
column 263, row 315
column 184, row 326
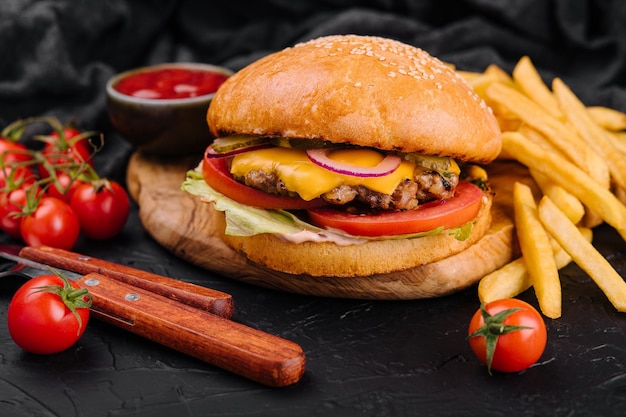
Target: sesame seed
column 407, row 59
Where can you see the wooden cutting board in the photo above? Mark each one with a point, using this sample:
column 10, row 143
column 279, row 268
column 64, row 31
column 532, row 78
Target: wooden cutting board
column 190, row 230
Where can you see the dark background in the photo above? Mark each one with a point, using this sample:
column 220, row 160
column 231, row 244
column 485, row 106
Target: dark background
column 369, row 358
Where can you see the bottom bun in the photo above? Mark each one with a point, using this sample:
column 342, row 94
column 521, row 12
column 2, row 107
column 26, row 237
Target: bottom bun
column 439, row 278
column 326, row 259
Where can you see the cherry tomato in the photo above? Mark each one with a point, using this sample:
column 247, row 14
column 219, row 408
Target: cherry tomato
column 9, row 176
column 451, row 213
column 12, row 205
column 41, row 322
column 65, row 149
column 102, row 208
column 53, row 223
column 216, row 174
column 64, row 187
column 507, row 335
column 13, row 152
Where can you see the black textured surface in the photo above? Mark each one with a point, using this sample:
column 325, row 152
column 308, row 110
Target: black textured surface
column 373, row 358
column 364, row 358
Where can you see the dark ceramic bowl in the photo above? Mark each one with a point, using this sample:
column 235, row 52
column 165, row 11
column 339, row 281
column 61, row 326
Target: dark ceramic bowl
column 163, row 126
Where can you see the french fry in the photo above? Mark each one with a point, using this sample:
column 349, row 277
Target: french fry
column 536, row 251
column 469, row 76
column 620, row 136
column 507, row 282
column 538, row 138
column 621, row 195
column 583, row 253
column 619, row 141
column 562, row 137
column 590, row 131
column 507, row 118
column 564, row 200
column 499, row 74
column 507, row 122
column 492, row 74
column 570, row 177
column 512, row 279
column 608, row 118
column 529, row 81
column 576, row 156
column 481, row 82
column 590, row 218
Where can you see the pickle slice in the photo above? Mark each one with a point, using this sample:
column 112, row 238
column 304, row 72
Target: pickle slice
column 299, row 143
column 234, row 142
column 435, row 163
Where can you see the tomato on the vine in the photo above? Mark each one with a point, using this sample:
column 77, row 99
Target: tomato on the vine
column 11, row 174
column 11, row 152
column 64, row 186
column 63, row 166
column 12, row 206
column 102, row 208
column 507, row 335
column 48, row 314
column 69, row 147
column 52, row 223
column 14, row 160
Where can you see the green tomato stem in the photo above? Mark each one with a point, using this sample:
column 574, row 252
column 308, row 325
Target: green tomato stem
column 73, row 298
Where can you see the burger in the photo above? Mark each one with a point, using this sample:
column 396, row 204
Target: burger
column 349, row 156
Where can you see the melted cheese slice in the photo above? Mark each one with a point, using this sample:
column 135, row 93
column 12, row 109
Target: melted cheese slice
column 302, row 176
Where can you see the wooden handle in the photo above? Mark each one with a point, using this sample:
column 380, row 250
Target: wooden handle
column 253, row 354
column 204, row 298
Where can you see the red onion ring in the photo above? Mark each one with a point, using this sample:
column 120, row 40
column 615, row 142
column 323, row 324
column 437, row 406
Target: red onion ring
column 320, row 157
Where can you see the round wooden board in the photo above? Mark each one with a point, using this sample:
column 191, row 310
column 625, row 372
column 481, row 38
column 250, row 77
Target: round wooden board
column 191, row 229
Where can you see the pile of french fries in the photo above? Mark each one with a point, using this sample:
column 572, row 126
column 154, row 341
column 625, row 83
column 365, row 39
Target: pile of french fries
column 576, row 154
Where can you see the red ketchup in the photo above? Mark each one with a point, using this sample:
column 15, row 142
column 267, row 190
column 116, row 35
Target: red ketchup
column 170, row 83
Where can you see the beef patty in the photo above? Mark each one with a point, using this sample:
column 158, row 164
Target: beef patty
column 425, row 186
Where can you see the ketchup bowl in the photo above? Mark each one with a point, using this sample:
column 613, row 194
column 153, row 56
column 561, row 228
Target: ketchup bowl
column 161, row 109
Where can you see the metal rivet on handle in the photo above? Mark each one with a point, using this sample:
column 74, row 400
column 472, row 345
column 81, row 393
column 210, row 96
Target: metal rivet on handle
column 131, row 297
column 92, row 282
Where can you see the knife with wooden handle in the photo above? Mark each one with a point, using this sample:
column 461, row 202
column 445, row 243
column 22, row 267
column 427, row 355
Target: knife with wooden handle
column 204, row 298
column 243, row 350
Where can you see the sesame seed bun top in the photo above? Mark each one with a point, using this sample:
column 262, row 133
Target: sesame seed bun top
column 362, row 90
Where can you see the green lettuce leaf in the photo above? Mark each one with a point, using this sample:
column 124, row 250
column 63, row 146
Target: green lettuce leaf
column 243, row 220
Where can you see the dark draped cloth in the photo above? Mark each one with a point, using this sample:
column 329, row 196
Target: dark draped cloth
column 56, row 55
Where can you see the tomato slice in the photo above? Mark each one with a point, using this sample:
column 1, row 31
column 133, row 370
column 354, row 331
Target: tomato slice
column 450, row 213
column 216, row 173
